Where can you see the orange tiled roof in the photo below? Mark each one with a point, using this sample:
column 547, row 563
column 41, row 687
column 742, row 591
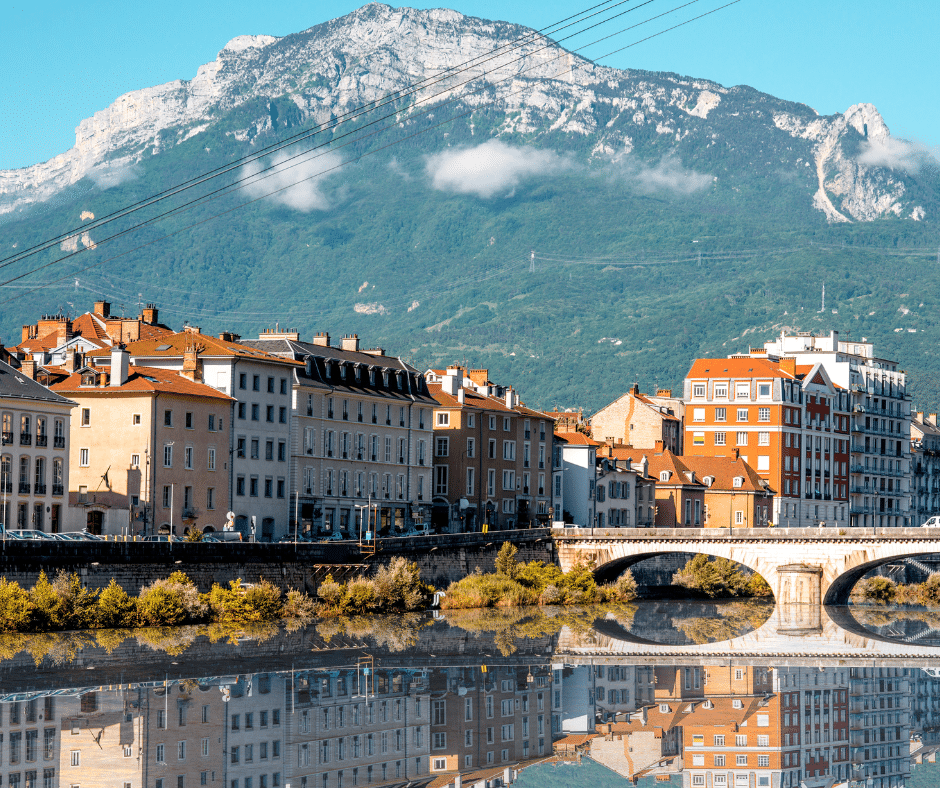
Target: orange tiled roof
column 576, row 439
column 143, row 380
column 90, row 326
column 471, row 399
column 724, row 470
column 736, row 368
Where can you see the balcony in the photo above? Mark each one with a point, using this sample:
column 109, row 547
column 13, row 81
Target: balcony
column 26, row 439
column 58, row 442
column 6, row 487
column 42, row 440
column 24, row 488
column 58, row 489
column 190, row 512
column 40, row 489
column 7, row 438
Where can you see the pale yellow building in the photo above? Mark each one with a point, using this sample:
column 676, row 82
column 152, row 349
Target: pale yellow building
column 149, row 450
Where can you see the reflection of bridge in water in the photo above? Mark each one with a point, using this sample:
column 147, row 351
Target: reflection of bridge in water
column 793, row 635
column 802, row 565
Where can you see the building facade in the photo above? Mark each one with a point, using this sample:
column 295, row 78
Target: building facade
column 34, row 453
column 149, row 450
column 492, row 459
column 925, row 468
column 640, row 421
column 880, row 423
column 361, row 437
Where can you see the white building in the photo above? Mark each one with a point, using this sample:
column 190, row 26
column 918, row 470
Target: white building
column 362, row 435
column 34, row 453
column 881, row 422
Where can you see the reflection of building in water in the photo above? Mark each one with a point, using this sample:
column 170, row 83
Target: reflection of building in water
column 488, row 719
column 32, row 750
column 879, row 724
column 925, row 706
column 346, row 728
column 253, row 732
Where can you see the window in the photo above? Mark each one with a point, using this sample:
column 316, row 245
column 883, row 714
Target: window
column 168, row 455
column 440, row 741
column 721, row 391
column 763, row 760
column 720, row 438
column 86, row 418
column 742, row 414
column 763, row 390
column 698, row 438
column 210, row 498
column 763, row 439
column 741, row 439
column 740, row 760
column 135, row 419
column 211, row 456
column 721, row 414
column 763, row 463
column 83, row 457
column 441, row 447
column 720, row 741
column 698, row 414
column 443, row 419
column 698, row 390
column 471, row 446
column 739, row 517
column 509, row 450
column 188, row 458
column 763, row 414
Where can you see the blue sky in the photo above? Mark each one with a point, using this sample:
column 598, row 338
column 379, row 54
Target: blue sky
column 62, row 61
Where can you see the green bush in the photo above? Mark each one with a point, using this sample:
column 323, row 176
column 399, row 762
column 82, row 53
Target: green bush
column 506, row 563
column 116, row 608
column 239, row 604
column 719, row 577
column 930, row 590
column 879, row 589
column 79, row 605
column 159, row 605
column 360, row 595
column 15, row 607
column 623, row 589
column 47, row 607
column 398, row 586
column 298, row 606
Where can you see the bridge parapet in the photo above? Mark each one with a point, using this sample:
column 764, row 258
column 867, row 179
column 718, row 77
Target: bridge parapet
column 821, row 565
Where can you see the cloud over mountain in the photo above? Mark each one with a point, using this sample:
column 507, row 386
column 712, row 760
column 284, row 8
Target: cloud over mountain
column 896, row 154
column 293, row 179
column 491, row 168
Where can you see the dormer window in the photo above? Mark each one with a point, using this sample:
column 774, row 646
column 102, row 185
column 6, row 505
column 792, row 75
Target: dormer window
column 371, row 377
column 708, row 481
column 738, row 481
column 89, row 379
column 342, row 371
column 664, row 476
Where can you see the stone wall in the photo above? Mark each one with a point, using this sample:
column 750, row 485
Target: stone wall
column 441, row 558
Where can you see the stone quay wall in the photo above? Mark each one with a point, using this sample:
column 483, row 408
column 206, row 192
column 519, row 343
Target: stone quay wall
column 441, row 559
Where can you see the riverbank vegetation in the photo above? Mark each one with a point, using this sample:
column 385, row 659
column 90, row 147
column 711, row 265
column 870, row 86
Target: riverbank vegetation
column 63, row 603
column 719, row 578
column 393, row 588
column 516, row 584
column 882, row 590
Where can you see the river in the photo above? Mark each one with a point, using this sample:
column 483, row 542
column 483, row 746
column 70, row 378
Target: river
column 717, row 695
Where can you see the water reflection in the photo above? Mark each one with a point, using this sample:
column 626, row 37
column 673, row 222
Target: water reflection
column 460, row 701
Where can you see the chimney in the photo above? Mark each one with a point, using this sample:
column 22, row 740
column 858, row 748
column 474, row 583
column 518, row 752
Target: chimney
column 452, row 382
column 192, row 329
column 150, row 314
column 28, row 368
column 735, row 454
column 509, row 398
column 321, row 339
column 635, row 389
column 64, row 332
column 932, row 419
column 192, row 367
column 120, row 359
column 788, row 365
column 461, row 395
column 507, row 776
column 350, row 342
column 918, row 415
column 103, row 309
column 644, row 467
column 458, row 780
column 27, row 333
column 73, row 360
column 664, row 393
column 659, row 446
column 376, row 351
column 229, row 336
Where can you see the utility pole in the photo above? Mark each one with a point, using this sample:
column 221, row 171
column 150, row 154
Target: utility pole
column 532, row 262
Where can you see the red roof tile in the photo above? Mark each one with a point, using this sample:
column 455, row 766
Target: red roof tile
column 143, row 380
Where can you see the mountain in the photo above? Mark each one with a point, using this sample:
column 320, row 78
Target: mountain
column 669, row 216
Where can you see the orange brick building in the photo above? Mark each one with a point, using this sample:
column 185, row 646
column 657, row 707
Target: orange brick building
column 790, row 423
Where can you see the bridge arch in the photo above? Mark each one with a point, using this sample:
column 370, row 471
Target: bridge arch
column 840, row 588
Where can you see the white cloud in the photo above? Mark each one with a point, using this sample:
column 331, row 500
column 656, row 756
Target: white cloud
column 108, row 175
column 294, row 182
column 895, row 154
column 668, row 175
column 490, row 168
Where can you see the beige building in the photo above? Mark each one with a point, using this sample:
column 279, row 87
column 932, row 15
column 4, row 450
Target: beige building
column 641, row 420
column 34, row 453
column 149, row 450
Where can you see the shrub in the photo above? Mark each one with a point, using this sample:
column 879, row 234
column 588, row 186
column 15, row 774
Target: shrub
column 360, row 595
column 552, row 595
column 262, row 602
column 331, row 592
column 538, row 575
column 506, row 563
column 47, row 608
column 79, row 605
column 193, row 534
column 398, row 586
column 623, row 589
column 159, row 605
column 717, row 577
column 116, row 608
column 930, row 590
column 15, row 607
column 298, row 605
column 239, row 604
column 879, row 589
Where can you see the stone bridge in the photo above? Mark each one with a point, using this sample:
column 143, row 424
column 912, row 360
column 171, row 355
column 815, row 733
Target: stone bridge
column 802, row 565
column 793, row 635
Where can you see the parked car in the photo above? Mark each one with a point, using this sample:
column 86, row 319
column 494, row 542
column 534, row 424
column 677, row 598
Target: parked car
column 155, row 538
column 223, row 536
column 933, row 522
column 38, row 536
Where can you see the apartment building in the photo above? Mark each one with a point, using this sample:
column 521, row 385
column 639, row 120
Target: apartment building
column 492, row 458
column 880, row 414
column 879, row 727
column 361, row 427
column 260, row 429
column 359, row 726
column 925, row 467
column 610, row 493
column 490, row 719
column 149, row 450
column 33, row 733
column 788, row 421
column 640, row 420
column 254, row 727
column 34, row 453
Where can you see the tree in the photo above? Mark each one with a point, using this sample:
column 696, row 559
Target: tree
column 506, row 563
